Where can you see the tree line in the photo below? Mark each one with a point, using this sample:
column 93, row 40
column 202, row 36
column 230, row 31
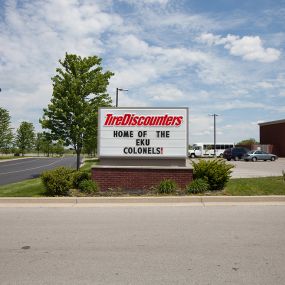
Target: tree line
column 71, row 117
column 25, row 139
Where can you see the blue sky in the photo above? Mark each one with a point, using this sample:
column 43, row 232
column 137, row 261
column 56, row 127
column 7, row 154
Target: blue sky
column 223, row 56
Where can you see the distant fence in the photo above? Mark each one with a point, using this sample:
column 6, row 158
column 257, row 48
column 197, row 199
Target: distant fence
column 264, row 147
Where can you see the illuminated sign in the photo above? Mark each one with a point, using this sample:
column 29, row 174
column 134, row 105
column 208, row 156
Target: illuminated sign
column 143, row 132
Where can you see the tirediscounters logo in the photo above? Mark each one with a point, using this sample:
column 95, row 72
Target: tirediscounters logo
column 144, row 132
column 129, row 119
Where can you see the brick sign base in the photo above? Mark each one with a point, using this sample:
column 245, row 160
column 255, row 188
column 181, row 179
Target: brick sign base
column 132, row 178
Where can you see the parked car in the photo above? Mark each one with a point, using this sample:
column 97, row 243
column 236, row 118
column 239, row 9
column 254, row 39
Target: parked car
column 235, row 153
column 259, row 155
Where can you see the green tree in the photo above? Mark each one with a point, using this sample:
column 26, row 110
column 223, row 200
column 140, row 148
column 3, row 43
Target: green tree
column 248, row 142
column 46, row 144
column 79, row 88
column 39, row 142
column 90, row 145
column 6, row 134
column 58, row 147
column 25, row 137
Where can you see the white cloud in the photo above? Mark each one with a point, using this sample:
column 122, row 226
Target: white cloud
column 131, row 45
column 134, row 74
column 201, row 129
column 34, row 36
column 239, row 130
column 164, row 92
column 199, row 96
column 186, row 23
column 265, row 85
column 279, row 109
column 27, row 104
column 209, row 38
column 140, row 63
column 126, row 100
column 75, row 17
column 239, row 104
column 248, row 47
column 150, row 46
column 163, row 2
column 146, row 2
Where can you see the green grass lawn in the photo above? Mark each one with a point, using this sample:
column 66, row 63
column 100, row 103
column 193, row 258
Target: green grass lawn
column 33, row 187
column 255, row 186
column 6, row 157
column 88, row 163
column 235, row 187
column 27, row 188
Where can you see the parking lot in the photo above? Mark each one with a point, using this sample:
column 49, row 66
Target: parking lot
column 249, row 169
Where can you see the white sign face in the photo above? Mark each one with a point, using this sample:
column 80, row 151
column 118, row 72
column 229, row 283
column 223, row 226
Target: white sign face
column 144, row 132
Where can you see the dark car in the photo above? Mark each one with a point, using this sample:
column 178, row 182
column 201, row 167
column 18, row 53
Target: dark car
column 235, row 153
column 259, row 155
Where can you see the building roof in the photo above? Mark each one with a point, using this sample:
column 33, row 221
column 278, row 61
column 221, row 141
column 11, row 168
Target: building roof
column 272, row 122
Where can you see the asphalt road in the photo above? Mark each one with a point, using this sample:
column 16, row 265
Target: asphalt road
column 21, row 169
column 244, row 169
column 143, row 245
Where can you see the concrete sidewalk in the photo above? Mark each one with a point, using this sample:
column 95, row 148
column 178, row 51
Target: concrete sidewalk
column 141, row 201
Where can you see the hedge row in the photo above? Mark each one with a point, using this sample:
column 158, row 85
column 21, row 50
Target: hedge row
column 60, row 181
column 209, row 175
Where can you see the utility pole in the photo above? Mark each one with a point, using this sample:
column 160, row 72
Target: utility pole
column 117, row 95
column 214, row 115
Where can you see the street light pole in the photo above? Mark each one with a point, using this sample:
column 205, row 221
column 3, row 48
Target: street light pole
column 117, row 95
column 214, row 115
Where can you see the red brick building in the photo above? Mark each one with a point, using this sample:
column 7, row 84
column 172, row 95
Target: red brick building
column 273, row 133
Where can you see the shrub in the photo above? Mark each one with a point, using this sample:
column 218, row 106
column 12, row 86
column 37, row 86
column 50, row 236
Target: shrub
column 88, row 186
column 197, row 186
column 79, row 176
column 167, row 186
column 58, row 181
column 215, row 171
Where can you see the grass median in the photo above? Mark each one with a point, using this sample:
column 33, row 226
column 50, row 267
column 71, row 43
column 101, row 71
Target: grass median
column 27, row 188
column 88, row 164
column 235, row 187
column 7, row 157
column 255, row 186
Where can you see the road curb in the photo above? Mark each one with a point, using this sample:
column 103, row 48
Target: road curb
column 143, row 200
column 36, row 200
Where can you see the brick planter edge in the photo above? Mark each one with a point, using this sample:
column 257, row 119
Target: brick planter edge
column 134, row 178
